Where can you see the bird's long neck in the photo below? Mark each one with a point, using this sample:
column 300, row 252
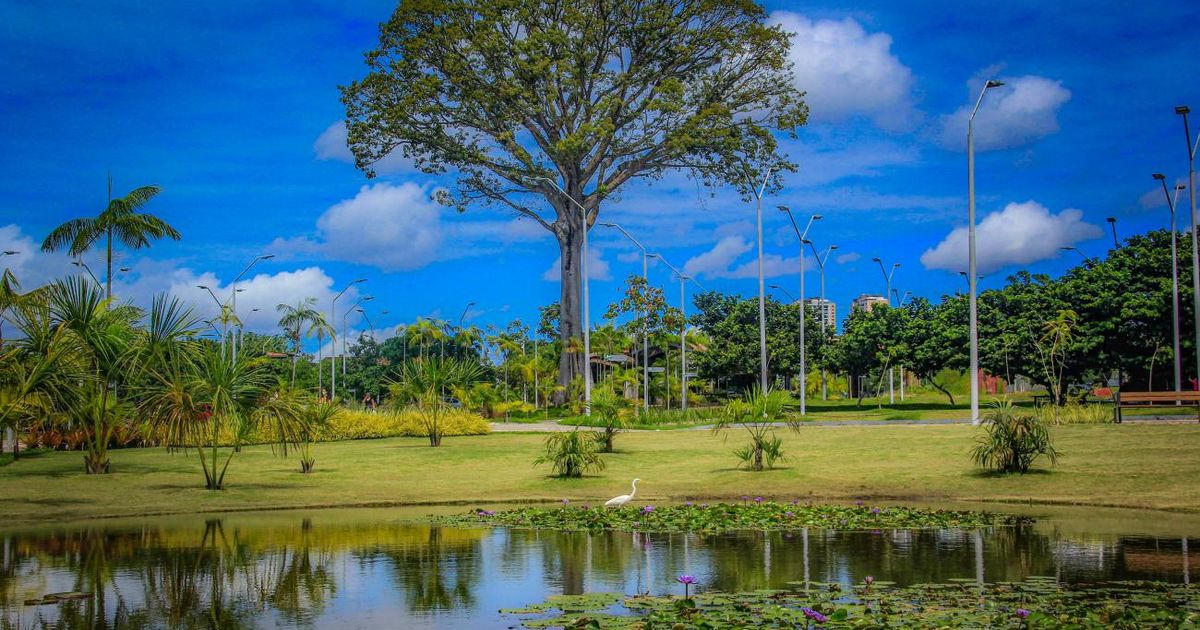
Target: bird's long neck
column 634, row 490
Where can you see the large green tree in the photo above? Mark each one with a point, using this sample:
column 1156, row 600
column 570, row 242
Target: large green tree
column 512, row 95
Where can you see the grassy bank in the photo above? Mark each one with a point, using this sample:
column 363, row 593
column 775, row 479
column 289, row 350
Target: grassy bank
column 1143, row 466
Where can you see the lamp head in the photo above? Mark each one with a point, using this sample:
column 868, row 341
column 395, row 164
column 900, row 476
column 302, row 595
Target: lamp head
column 201, row 286
column 876, row 259
column 1183, row 110
column 773, row 286
column 992, row 83
column 1159, row 176
column 1180, row 186
column 359, row 281
column 360, row 311
column 817, row 217
column 1111, row 219
column 1067, row 249
column 833, row 247
column 11, row 252
column 784, row 208
column 266, row 257
column 124, row 269
column 79, row 264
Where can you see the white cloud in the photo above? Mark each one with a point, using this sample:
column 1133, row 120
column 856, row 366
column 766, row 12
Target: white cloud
column 847, row 71
column 848, row 257
column 331, row 145
column 597, row 267
column 392, row 227
column 1025, row 109
column 721, row 261
column 1020, row 234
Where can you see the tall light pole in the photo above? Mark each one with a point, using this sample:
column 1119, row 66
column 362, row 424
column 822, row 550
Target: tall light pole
column 762, row 290
column 345, row 334
column 82, row 265
column 803, row 236
column 234, row 289
column 1162, row 179
column 645, row 333
column 887, row 278
column 587, row 333
column 972, row 271
column 1112, row 222
column 1087, row 260
column 683, row 280
column 333, row 346
column 1183, row 111
column 220, row 312
column 821, row 260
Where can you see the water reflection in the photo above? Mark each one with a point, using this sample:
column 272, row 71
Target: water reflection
column 367, row 570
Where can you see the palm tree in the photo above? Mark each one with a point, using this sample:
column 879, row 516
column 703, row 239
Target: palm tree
column 422, row 384
column 425, row 331
column 120, row 220
column 105, row 334
column 199, row 403
column 10, row 293
column 318, row 327
column 293, row 321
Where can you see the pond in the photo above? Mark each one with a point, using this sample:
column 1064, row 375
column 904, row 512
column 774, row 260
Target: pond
column 384, row 568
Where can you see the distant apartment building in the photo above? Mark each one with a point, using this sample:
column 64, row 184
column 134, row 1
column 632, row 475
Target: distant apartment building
column 825, row 310
column 867, row 302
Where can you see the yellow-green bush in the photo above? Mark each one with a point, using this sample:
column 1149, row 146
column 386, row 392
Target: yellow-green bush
column 359, row 424
column 1075, row 413
column 353, row 424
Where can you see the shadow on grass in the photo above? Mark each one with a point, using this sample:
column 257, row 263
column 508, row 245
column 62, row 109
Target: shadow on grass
column 1000, row 474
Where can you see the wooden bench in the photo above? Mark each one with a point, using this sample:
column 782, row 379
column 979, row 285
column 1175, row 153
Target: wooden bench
column 1136, row 400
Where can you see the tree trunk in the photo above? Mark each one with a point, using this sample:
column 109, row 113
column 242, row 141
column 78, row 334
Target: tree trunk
column 570, row 318
column 758, row 457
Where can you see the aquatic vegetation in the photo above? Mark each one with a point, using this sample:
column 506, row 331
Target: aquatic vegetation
column 1035, row 603
column 758, row 515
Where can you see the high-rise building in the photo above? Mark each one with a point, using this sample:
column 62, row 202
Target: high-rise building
column 867, row 302
column 825, row 310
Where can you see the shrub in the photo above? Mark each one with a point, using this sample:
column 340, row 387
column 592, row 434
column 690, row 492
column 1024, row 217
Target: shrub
column 571, row 453
column 1075, row 413
column 757, row 414
column 1012, row 440
column 772, row 451
column 361, row 424
column 610, row 411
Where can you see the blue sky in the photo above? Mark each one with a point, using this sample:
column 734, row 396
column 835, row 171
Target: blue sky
column 233, row 109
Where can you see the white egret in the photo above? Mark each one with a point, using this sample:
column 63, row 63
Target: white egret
column 624, row 498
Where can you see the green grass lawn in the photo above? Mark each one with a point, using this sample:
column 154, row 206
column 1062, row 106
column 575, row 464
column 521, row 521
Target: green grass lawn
column 1144, row 466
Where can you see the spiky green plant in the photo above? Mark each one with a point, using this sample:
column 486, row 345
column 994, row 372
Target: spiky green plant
column 426, row 384
column 571, row 454
column 1012, row 440
column 759, row 413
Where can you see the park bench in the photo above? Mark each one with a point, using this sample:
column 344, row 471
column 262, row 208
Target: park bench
column 1136, row 400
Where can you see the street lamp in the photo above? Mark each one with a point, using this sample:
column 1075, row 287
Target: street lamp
column 887, row 278
column 587, row 335
column 333, row 346
column 1112, row 222
column 369, row 322
column 82, row 265
column 783, row 291
column 1086, row 259
column 1183, row 111
column 803, row 309
column 762, row 291
column 645, row 333
column 353, row 307
column 233, row 286
column 821, row 260
column 972, row 271
column 683, row 279
column 1162, row 179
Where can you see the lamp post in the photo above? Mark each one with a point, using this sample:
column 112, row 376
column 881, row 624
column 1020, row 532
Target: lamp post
column 803, row 307
column 1087, row 260
column 645, row 333
column 1183, row 111
column 821, row 260
column 762, row 291
column 353, row 307
column 972, row 271
column 783, row 291
column 587, row 335
column 220, row 312
column 1112, row 222
column 887, row 278
column 233, row 287
column 333, row 346
column 82, row 265
column 683, row 279
column 1162, row 179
